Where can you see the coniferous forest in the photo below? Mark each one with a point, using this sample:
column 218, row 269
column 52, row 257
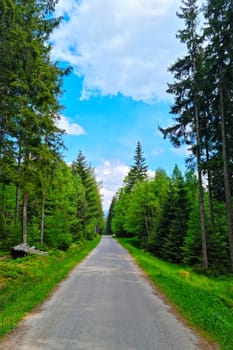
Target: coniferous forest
column 187, row 219
column 43, row 201
column 177, row 226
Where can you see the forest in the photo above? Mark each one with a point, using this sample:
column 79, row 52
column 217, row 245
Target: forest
column 187, row 219
column 182, row 218
column 43, row 201
column 178, row 227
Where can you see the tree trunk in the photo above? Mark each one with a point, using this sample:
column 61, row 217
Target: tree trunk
column 24, row 221
column 17, row 205
column 17, row 191
column 210, row 191
column 42, row 220
column 199, row 172
column 226, row 179
column 211, row 202
column 200, row 188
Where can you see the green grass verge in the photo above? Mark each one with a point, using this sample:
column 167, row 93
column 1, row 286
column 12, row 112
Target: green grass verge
column 27, row 282
column 206, row 302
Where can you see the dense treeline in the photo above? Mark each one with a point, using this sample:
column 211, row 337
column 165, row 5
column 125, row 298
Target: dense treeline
column 163, row 213
column 178, row 228
column 202, row 108
column 41, row 198
column 192, row 221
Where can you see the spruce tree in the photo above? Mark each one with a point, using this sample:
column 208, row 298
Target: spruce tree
column 187, row 90
column 94, row 211
column 219, row 35
column 30, row 87
column 138, row 171
column 178, row 209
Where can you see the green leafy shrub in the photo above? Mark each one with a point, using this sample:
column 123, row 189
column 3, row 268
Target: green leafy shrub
column 64, row 241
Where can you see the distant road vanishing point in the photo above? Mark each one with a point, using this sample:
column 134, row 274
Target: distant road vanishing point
column 105, row 304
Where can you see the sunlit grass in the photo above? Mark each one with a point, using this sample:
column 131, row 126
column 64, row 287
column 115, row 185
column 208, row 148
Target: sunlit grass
column 206, row 302
column 26, row 282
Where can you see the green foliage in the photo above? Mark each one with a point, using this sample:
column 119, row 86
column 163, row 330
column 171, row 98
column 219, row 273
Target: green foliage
column 68, row 215
column 192, row 240
column 142, row 211
column 202, row 108
column 108, row 229
column 64, row 241
column 173, row 240
column 119, row 213
column 29, row 139
column 138, row 171
column 41, row 200
column 89, row 207
column 163, row 213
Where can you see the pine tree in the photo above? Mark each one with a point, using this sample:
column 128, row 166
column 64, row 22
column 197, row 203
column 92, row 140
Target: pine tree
column 94, row 211
column 178, row 209
column 219, row 33
column 138, row 171
column 186, row 88
column 30, row 87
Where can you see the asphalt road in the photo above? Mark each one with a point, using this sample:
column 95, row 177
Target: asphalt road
column 105, row 304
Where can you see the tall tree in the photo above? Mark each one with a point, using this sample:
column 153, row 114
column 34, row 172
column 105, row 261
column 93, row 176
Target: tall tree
column 177, row 211
column 30, row 86
column 219, row 33
column 186, row 89
column 94, row 211
column 138, row 171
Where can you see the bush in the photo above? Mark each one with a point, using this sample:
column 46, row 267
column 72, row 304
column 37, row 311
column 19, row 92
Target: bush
column 64, row 241
column 61, row 241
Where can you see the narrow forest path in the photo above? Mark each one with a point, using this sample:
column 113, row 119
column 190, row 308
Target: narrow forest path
column 105, row 304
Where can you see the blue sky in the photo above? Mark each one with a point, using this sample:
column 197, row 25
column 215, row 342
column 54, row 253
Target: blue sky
column 116, row 95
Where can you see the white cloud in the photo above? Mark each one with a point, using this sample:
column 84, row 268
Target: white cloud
column 181, row 151
column 70, row 128
column 122, row 46
column 158, row 151
column 151, row 174
column 111, row 174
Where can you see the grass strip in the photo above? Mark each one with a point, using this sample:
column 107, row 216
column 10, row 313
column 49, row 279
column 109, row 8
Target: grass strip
column 26, row 282
column 206, row 302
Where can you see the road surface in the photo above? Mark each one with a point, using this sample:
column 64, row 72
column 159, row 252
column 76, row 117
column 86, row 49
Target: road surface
column 105, row 304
